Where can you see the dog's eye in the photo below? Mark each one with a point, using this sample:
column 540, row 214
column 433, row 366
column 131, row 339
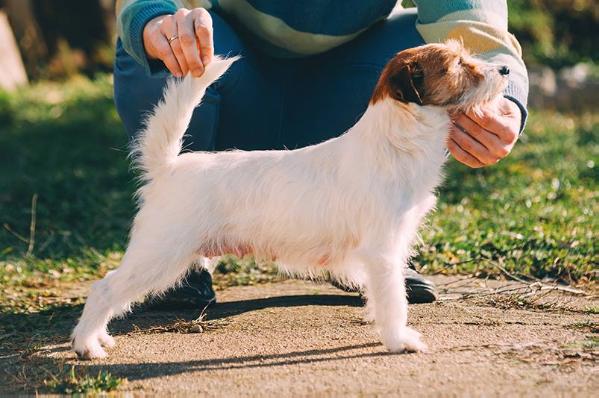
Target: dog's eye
column 460, row 61
column 417, row 72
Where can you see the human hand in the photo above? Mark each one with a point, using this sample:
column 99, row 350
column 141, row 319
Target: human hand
column 479, row 141
column 183, row 41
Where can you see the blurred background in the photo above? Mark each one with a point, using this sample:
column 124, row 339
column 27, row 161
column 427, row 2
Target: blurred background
column 66, row 190
column 57, row 39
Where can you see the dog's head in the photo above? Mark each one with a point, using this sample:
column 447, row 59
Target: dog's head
column 441, row 75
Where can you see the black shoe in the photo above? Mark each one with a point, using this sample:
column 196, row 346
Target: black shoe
column 195, row 292
column 419, row 289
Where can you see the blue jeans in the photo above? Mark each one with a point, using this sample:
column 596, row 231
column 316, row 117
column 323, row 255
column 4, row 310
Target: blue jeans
column 268, row 103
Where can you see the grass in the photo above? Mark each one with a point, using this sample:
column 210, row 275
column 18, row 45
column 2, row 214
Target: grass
column 588, row 325
column 591, row 343
column 593, row 310
column 81, row 383
column 534, row 214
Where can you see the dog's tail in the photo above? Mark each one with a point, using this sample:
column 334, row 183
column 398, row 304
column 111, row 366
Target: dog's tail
column 159, row 144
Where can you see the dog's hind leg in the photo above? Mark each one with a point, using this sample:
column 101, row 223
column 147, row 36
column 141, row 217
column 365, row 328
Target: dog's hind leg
column 385, row 288
column 151, row 264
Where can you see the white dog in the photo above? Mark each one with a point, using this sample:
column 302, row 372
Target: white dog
column 351, row 205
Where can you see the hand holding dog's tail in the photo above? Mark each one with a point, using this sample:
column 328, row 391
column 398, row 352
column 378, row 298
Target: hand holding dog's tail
column 159, row 144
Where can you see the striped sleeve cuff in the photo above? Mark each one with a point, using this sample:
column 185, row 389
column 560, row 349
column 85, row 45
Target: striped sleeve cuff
column 514, row 92
column 134, row 19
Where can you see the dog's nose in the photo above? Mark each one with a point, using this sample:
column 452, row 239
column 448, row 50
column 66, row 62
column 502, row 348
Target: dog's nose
column 504, row 70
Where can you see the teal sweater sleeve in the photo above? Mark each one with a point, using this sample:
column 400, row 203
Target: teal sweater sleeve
column 130, row 24
column 483, row 28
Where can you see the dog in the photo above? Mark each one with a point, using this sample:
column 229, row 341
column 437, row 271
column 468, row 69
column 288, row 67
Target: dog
column 350, row 206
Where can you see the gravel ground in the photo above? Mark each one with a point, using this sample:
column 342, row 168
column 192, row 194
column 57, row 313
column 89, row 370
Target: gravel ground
column 297, row 338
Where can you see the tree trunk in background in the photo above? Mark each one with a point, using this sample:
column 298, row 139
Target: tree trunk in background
column 108, row 6
column 12, row 72
column 80, row 23
column 30, row 41
column 58, row 38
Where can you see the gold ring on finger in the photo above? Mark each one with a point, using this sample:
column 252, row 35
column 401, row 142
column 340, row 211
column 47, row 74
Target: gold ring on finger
column 172, row 38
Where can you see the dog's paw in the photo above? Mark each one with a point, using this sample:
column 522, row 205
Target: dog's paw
column 91, row 347
column 369, row 315
column 403, row 339
column 106, row 340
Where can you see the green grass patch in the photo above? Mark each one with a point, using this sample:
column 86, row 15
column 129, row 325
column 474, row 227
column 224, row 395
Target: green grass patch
column 232, row 271
column 66, row 198
column 588, row 325
column 590, row 343
column 534, row 214
column 64, row 146
column 594, row 310
column 81, row 383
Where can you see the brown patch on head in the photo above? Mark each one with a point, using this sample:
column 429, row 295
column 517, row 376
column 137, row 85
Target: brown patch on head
column 434, row 74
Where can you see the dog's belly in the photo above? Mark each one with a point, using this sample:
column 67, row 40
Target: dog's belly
column 217, row 249
column 323, row 255
column 210, row 251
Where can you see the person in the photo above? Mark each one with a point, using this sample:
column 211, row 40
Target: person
column 306, row 75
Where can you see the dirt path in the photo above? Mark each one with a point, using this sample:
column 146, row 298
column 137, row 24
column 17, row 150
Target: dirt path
column 299, row 338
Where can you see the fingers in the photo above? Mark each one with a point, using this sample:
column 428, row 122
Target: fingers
column 505, row 125
column 150, row 33
column 193, row 47
column 474, row 148
column 169, row 29
column 202, row 24
column 483, row 140
column 157, row 46
column 462, row 156
column 188, row 43
column 166, row 55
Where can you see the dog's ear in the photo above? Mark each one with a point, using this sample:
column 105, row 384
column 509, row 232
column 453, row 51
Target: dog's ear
column 406, row 83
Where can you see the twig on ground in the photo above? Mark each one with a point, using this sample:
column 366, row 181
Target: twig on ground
column 540, row 285
column 506, row 273
column 455, row 281
column 32, row 225
column 44, row 245
column 565, row 289
column 15, row 234
column 531, row 291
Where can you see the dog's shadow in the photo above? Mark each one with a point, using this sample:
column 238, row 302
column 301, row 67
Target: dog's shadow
column 49, row 330
column 142, row 371
column 54, row 324
column 147, row 319
column 231, row 309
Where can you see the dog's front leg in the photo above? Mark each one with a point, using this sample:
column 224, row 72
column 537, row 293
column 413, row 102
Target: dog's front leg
column 386, row 288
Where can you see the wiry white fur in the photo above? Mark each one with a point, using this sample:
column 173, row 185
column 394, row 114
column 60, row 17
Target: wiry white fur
column 159, row 144
column 351, row 205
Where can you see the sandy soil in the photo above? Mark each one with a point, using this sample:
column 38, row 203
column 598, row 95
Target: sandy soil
column 299, row 338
